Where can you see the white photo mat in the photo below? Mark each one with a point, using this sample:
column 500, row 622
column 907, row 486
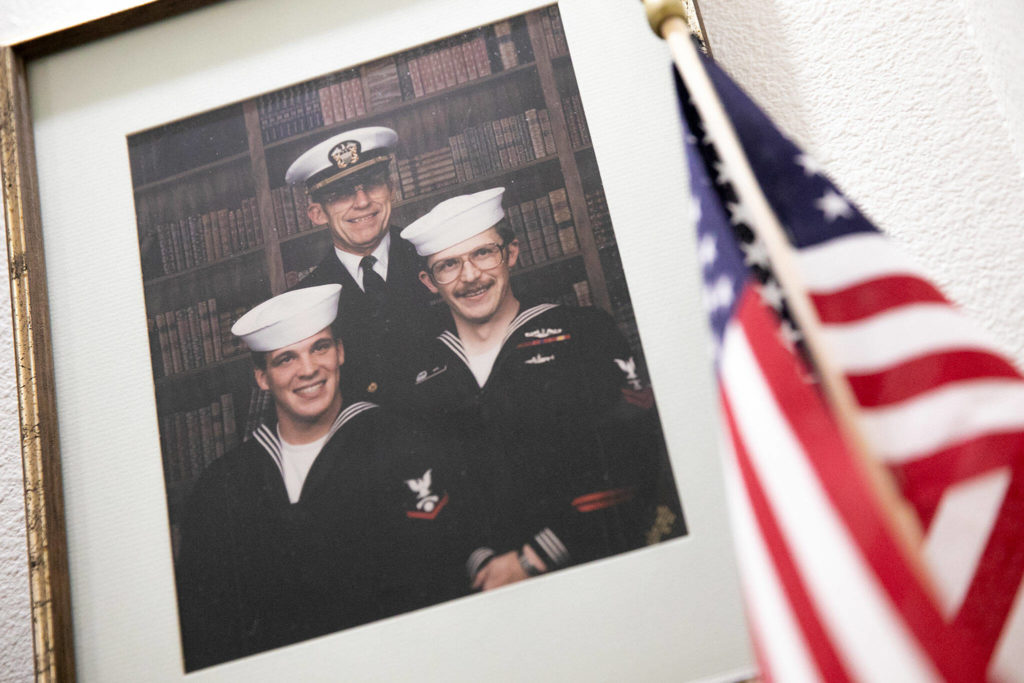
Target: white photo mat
column 669, row 612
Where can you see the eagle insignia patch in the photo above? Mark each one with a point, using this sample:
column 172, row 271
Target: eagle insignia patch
column 428, row 504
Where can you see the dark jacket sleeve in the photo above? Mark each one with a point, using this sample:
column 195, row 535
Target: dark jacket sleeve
column 208, row 597
column 610, row 472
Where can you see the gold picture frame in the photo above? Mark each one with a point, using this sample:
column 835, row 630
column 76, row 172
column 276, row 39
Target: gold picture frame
column 37, row 408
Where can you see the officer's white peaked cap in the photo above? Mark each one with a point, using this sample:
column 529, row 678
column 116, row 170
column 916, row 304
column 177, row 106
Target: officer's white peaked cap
column 455, row 220
column 342, row 155
column 288, row 318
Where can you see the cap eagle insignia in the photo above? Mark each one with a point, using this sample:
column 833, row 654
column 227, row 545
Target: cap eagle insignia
column 345, row 153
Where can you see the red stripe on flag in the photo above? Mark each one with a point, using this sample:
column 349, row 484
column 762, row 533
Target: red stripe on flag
column 855, row 501
column 924, row 481
column 998, row 576
column 817, row 638
column 873, row 297
column 906, row 380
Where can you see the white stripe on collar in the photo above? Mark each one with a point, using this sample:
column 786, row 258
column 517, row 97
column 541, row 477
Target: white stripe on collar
column 268, row 438
column 452, row 341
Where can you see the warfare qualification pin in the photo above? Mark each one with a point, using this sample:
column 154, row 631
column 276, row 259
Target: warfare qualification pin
column 345, row 154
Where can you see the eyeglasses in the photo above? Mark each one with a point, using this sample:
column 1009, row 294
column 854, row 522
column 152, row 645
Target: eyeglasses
column 484, row 257
column 346, row 191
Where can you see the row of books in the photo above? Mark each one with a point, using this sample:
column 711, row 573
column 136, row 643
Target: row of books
column 425, row 173
column 194, row 336
column 440, row 67
column 544, row 228
column 375, row 86
column 192, row 439
column 600, row 219
column 554, row 34
column 310, row 105
column 203, row 238
column 502, row 144
column 575, row 121
column 290, row 210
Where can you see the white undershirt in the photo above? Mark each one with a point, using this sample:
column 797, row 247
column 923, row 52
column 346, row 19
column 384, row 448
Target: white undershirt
column 481, row 364
column 296, row 461
column 351, row 261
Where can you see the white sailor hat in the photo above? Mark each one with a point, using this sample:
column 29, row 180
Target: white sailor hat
column 288, row 318
column 455, row 220
column 342, row 155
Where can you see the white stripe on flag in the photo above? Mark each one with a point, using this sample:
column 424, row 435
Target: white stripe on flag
column 900, row 334
column 1008, row 660
column 944, row 416
column 781, row 639
column 851, row 259
column 852, row 605
column 959, row 532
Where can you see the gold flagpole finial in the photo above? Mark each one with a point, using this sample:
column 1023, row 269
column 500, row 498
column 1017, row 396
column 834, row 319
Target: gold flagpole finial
column 658, row 11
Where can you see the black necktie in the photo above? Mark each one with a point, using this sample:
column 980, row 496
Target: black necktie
column 373, row 283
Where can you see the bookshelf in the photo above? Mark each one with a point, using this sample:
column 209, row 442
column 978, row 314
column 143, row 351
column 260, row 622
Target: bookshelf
column 219, row 231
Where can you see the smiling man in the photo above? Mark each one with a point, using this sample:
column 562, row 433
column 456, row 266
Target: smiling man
column 330, row 516
column 348, row 181
column 559, row 434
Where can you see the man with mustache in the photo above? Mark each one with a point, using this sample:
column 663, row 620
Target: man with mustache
column 347, row 179
column 330, row 516
column 557, row 432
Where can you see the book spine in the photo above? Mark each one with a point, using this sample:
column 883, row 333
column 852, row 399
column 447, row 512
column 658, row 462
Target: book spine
column 338, row 101
column 469, row 57
column 548, row 229
column 164, row 342
column 415, row 77
column 217, row 427
column 545, row 129
column 196, row 336
column 515, row 221
column 481, row 57
column 207, row 448
column 205, row 332
column 533, row 233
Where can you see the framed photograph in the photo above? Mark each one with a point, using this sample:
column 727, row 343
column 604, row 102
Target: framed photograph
column 169, row 208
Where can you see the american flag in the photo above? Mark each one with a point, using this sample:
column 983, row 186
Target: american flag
column 831, row 593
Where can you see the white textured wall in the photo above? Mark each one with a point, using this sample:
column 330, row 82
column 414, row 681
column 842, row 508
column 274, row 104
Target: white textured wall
column 910, row 106
column 917, row 110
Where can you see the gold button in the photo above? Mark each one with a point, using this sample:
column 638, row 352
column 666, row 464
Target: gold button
column 372, row 388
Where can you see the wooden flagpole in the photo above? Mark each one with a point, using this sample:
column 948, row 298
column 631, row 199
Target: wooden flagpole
column 668, row 19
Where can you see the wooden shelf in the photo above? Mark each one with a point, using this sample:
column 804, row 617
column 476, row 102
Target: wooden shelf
column 226, row 260
column 185, row 175
column 197, row 372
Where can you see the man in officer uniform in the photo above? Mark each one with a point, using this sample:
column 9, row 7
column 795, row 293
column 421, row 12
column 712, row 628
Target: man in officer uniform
column 332, row 516
column 556, row 426
column 347, row 178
